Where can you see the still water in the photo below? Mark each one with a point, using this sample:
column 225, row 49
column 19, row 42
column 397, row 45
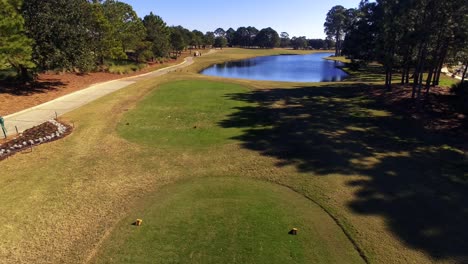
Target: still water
column 289, row 68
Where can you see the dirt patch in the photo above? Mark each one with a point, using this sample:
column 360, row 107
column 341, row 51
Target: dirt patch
column 49, row 86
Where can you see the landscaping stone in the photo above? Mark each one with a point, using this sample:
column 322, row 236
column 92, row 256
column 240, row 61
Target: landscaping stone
column 46, row 132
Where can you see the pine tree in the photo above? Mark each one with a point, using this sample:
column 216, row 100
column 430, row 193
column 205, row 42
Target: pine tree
column 15, row 46
column 60, row 30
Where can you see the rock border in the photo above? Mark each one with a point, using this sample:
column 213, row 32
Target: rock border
column 34, row 136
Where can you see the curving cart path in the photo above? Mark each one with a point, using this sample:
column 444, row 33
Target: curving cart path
column 39, row 114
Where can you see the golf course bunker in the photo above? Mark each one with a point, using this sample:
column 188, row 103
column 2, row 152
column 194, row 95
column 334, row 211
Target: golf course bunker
column 228, row 220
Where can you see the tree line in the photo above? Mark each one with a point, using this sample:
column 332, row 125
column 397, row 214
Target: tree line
column 82, row 35
column 413, row 39
column 251, row 37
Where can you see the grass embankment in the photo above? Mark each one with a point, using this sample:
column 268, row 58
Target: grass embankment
column 397, row 189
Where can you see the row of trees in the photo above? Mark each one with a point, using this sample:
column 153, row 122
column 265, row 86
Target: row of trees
column 413, row 38
column 248, row 37
column 84, row 35
column 76, row 35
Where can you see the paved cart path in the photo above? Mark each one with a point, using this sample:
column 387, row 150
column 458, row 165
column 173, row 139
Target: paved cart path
column 39, row 114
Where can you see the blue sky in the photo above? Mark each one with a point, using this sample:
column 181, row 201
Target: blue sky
column 297, row 17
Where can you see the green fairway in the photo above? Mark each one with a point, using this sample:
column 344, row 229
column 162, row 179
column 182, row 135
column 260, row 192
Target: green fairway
column 228, row 220
column 216, row 220
column 183, row 114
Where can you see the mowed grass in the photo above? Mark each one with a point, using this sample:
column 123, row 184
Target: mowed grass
column 228, row 220
column 183, row 114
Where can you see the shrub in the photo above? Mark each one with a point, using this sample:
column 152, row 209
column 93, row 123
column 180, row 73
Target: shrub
column 461, row 91
column 357, row 64
column 126, row 68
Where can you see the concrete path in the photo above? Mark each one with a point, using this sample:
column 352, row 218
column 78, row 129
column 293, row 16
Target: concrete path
column 39, row 114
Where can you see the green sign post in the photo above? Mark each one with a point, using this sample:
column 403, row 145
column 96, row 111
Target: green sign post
column 2, row 124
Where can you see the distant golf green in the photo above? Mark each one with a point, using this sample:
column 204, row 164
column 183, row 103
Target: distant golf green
column 183, row 114
column 228, row 220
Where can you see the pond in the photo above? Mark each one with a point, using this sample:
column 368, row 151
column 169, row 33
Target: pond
column 289, row 68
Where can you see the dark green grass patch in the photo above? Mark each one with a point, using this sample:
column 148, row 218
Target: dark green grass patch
column 183, row 114
column 228, row 220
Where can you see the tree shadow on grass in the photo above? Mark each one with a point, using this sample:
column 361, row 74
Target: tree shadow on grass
column 369, row 73
column 417, row 179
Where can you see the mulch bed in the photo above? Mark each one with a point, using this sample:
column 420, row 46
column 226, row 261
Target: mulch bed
column 46, row 132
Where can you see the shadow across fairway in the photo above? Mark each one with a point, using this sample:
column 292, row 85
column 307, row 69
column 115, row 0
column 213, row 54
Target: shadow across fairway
column 416, row 178
column 370, row 73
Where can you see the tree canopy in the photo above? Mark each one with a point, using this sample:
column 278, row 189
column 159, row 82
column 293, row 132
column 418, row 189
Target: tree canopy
column 335, row 26
column 158, row 34
column 60, row 32
column 15, row 46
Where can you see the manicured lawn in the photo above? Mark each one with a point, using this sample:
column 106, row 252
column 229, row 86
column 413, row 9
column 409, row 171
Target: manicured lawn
column 225, row 220
column 228, row 220
column 184, row 114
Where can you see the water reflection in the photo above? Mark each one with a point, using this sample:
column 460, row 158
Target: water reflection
column 292, row 68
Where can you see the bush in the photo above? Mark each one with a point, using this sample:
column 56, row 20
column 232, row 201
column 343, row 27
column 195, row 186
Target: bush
column 11, row 75
column 357, row 64
column 126, row 68
column 461, row 91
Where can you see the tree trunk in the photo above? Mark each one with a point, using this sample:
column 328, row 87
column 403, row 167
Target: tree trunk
column 421, row 71
column 388, row 77
column 421, row 75
column 440, row 65
column 434, row 77
column 406, row 65
column 407, row 75
column 418, row 71
column 390, row 80
column 337, row 45
column 433, row 65
column 429, row 80
column 24, row 75
column 464, row 72
column 403, row 74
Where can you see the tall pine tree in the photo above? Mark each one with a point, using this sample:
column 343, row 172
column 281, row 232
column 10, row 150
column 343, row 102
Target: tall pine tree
column 15, row 46
column 60, row 31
